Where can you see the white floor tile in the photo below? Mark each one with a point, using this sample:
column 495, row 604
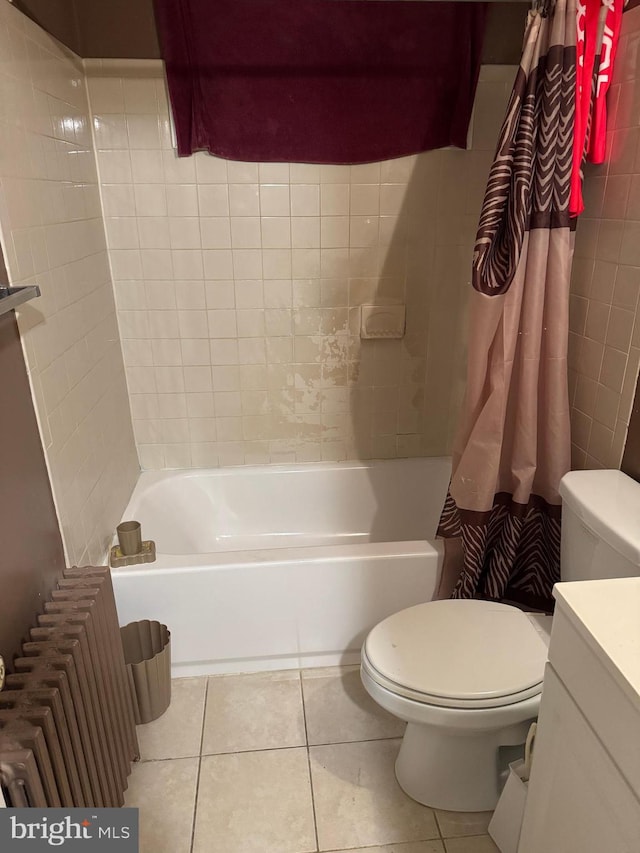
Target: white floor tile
column 358, row 801
column 178, row 732
column 338, row 708
column 457, row 824
column 471, row 844
column 250, row 712
column 165, row 793
column 255, row 794
column 255, row 802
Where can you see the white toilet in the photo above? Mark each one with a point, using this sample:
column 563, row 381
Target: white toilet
column 467, row 675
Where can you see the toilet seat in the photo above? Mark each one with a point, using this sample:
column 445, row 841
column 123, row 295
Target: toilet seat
column 457, row 654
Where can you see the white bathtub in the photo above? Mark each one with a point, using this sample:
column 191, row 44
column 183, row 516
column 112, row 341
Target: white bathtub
column 282, row 566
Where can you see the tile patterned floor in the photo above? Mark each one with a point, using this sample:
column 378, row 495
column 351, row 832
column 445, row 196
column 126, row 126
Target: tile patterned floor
column 284, row 762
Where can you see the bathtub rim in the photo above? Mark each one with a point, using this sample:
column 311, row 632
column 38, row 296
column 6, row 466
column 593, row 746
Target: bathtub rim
column 177, row 563
column 148, row 479
column 151, row 476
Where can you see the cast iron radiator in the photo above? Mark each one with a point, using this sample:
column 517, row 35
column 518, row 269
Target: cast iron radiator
column 67, row 733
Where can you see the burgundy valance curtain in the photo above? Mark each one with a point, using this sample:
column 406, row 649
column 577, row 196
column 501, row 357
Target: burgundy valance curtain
column 320, row 81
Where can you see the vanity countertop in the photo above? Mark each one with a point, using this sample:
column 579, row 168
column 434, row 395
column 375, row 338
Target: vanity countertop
column 606, row 613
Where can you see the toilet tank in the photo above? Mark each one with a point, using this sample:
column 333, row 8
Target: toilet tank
column 600, row 525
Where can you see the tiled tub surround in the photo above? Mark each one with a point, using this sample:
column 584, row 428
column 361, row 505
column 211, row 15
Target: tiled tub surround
column 285, row 762
column 53, row 235
column 238, row 287
column 604, row 348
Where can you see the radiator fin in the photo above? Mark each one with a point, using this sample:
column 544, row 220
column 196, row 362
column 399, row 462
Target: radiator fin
column 67, row 731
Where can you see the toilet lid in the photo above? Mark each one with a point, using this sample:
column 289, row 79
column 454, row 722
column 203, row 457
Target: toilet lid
column 458, row 653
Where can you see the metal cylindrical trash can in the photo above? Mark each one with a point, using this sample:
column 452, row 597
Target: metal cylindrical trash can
column 147, row 653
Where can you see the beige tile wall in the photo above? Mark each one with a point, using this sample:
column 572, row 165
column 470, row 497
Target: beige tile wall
column 238, row 287
column 52, row 234
column 604, row 347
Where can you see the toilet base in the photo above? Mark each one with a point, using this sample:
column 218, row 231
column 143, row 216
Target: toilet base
column 455, row 772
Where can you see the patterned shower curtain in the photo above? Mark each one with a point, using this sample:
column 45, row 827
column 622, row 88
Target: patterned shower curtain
column 501, row 519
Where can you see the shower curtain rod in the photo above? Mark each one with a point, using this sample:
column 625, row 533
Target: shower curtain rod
column 504, row 2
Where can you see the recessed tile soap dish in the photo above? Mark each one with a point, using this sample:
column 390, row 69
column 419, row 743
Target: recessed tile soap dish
column 382, row 322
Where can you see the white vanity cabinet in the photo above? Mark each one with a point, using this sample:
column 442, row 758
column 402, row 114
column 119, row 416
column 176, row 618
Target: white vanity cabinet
column 584, row 791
